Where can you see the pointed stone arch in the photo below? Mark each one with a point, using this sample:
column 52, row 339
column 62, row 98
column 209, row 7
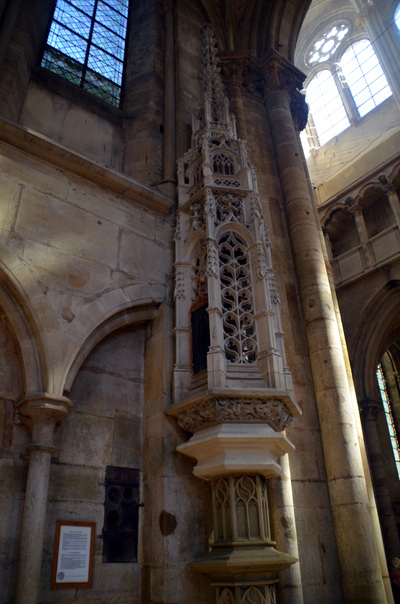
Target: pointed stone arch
column 374, row 331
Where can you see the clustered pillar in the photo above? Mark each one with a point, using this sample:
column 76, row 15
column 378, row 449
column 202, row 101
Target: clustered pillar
column 359, row 566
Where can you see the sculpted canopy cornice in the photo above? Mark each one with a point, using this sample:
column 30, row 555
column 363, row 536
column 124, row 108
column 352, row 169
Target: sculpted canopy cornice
column 274, row 408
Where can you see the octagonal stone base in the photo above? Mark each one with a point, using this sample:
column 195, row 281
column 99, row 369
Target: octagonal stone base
column 237, row 449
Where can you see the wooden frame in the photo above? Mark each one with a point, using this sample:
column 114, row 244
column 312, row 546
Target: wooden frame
column 73, row 554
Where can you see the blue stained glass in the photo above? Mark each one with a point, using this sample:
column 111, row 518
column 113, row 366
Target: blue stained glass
column 108, row 41
column 121, row 6
column 74, row 19
column 389, row 416
column 67, row 42
column 111, row 19
column 86, row 45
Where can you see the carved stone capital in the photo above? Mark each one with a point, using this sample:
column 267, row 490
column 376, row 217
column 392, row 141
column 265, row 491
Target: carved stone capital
column 280, row 74
column 275, row 409
column 370, row 410
column 42, row 412
column 354, row 209
column 273, row 74
column 233, row 65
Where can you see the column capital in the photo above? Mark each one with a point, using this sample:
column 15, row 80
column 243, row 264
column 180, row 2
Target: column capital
column 370, row 409
column 272, row 73
column 41, row 404
column 233, row 65
column 280, row 74
column 276, row 74
column 355, row 208
column 41, row 412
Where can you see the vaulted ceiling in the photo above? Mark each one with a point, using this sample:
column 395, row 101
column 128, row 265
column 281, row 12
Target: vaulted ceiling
column 256, row 25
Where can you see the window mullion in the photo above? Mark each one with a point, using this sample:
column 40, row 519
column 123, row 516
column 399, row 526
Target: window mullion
column 345, row 94
column 89, row 44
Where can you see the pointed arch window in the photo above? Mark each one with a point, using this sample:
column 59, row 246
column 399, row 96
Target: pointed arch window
column 86, row 45
column 346, row 86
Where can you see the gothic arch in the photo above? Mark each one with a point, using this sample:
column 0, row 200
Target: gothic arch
column 237, row 228
column 137, row 312
column 376, row 328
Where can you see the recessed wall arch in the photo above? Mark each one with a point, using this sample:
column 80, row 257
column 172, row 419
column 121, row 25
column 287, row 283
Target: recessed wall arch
column 134, row 315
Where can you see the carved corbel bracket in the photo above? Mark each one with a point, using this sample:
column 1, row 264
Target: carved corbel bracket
column 370, row 410
column 270, row 406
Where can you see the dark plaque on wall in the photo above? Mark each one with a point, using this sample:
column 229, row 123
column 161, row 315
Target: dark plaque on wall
column 121, row 508
column 200, row 336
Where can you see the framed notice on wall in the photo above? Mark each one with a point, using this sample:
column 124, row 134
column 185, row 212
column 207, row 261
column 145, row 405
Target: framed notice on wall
column 73, row 554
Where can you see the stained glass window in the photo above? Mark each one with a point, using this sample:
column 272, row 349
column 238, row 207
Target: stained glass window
column 389, row 416
column 86, row 45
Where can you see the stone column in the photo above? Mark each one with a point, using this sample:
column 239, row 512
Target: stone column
column 356, row 211
column 40, row 412
column 345, row 95
column 168, row 184
column 370, row 411
column 356, row 412
column 392, row 196
column 290, row 590
column 359, row 566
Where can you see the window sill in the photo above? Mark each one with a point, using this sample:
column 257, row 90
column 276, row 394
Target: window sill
column 73, row 93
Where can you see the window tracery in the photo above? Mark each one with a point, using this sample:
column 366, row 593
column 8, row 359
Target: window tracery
column 198, row 272
column 237, row 300
column 325, row 47
column 346, row 83
column 223, row 164
column 229, row 207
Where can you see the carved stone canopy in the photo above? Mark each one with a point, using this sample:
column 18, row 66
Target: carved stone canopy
column 214, row 406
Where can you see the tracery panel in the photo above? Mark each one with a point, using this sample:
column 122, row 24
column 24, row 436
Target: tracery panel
column 237, row 300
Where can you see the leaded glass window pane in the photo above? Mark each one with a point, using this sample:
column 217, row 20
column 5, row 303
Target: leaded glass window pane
column 326, row 106
column 86, row 45
column 364, row 76
column 397, row 17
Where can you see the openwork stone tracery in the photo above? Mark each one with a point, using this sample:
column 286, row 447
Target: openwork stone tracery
column 232, row 387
